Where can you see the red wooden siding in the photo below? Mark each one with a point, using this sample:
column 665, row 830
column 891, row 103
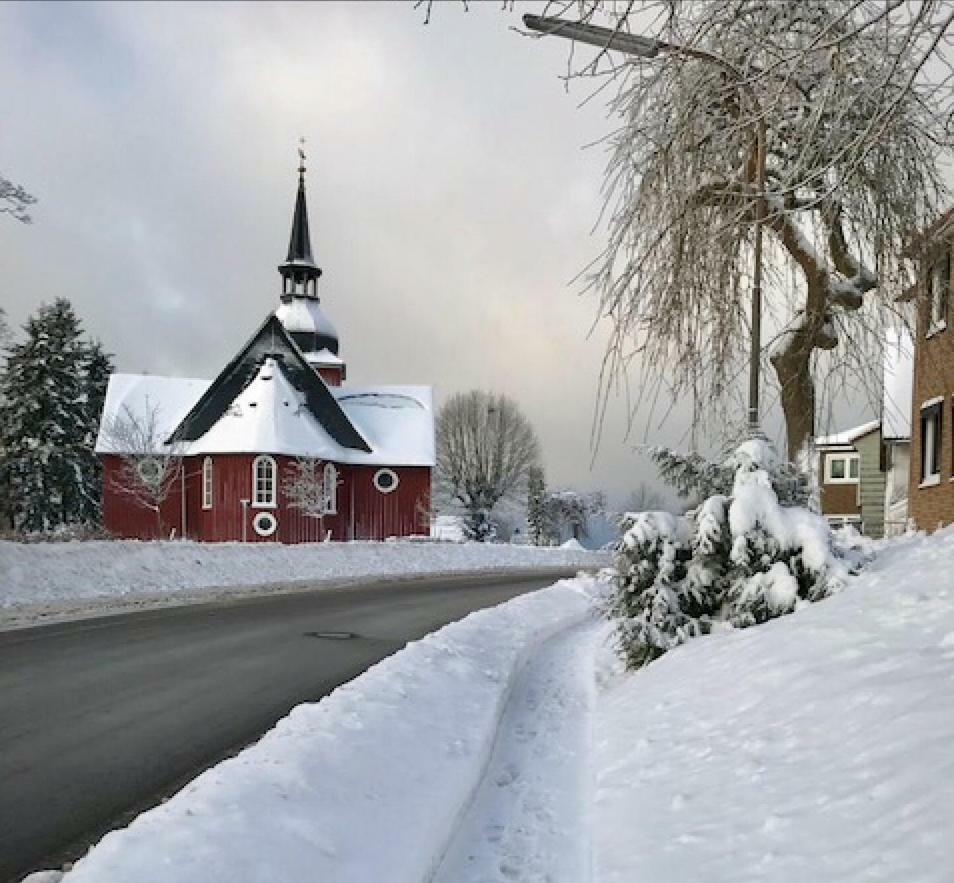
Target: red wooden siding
column 363, row 511
column 124, row 517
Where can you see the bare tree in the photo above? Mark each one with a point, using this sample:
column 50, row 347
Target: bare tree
column 485, row 449
column 851, row 101
column 14, row 200
column 149, row 469
column 312, row 486
column 644, row 499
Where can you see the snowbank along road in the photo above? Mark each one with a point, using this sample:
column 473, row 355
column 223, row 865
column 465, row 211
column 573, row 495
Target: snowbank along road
column 103, row 717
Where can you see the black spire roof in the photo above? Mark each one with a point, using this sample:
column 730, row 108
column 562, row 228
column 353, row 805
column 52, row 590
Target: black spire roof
column 300, row 271
column 299, row 245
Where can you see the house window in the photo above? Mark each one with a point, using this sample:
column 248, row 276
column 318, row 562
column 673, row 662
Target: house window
column 263, row 483
column 331, row 489
column 842, row 468
column 931, row 443
column 386, row 480
column 207, row 483
column 939, row 287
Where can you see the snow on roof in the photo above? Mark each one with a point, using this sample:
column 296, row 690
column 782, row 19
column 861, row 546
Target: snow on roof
column 138, row 397
column 323, row 357
column 848, row 437
column 898, row 384
column 304, row 315
column 269, row 417
column 397, row 421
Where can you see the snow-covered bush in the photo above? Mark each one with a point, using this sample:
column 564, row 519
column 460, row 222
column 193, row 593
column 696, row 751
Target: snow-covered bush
column 740, row 558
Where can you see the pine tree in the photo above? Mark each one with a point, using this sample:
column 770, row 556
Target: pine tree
column 44, row 421
column 537, row 506
column 97, row 367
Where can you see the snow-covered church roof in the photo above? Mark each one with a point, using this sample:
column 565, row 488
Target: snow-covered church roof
column 269, row 401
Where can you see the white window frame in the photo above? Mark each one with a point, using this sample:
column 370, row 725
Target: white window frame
column 932, row 424
column 267, row 500
column 849, row 457
column 938, row 292
column 394, row 477
column 260, row 527
column 329, row 478
column 207, row 483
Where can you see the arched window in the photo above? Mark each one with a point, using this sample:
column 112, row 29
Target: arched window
column 331, row 489
column 264, row 487
column 207, row 483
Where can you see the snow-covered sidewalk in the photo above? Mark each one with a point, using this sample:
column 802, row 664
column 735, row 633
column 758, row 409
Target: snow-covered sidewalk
column 47, row 581
column 529, row 819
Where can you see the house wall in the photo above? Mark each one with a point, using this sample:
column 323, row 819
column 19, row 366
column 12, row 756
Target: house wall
column 837, row 499
column 125, row 516
column 931, row 507
column 896, row 487
column 363, row 512
column 872, row 492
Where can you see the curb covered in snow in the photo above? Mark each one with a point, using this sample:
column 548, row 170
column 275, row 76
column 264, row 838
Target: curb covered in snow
column 368, row 784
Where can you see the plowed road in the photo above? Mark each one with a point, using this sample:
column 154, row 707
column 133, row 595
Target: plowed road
column 102, row 718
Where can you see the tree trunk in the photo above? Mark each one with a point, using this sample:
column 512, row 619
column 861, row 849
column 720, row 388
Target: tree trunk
column 797, row 392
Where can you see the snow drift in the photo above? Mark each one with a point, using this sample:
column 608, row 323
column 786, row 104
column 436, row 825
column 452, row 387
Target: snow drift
column 367, row 784
column 45, row 573
column 815, row 747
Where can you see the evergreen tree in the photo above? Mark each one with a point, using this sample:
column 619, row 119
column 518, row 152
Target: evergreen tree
column 746, row 554
column 537, row 506
column 43, row 402
column 97, row 367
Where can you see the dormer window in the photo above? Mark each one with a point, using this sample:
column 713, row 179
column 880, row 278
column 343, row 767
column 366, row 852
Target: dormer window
column 938, row 292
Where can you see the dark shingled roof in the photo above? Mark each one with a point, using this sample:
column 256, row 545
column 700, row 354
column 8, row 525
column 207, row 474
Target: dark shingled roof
column 271, row 340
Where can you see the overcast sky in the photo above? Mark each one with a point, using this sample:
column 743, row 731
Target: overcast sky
column 452, row 201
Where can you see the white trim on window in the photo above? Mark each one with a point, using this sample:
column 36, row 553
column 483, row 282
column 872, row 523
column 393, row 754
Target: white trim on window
column 932, row 423
column 330, row 491
column 265, row 524
column 386, row 481
column 207, row 483
column 850, row 462
column 264, row 482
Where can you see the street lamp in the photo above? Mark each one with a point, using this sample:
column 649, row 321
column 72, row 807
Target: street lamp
column 648, row 47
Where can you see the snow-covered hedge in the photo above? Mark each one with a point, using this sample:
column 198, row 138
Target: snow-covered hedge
column 366, row 785
column 736, row 560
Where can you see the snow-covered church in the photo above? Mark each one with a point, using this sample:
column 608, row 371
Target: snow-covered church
column 277, row 447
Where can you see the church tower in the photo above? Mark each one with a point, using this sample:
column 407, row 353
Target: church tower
column 300, row 311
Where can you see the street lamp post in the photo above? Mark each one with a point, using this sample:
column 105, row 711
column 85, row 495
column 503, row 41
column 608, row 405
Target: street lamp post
column 649, row 47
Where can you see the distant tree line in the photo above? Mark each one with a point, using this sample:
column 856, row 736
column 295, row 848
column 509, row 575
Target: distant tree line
column 52, row 386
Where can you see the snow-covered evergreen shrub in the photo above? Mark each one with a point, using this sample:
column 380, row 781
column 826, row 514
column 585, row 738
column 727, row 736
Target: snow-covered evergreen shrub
column 743, row 556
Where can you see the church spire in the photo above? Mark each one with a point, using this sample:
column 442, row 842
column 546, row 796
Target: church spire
column 299, row 272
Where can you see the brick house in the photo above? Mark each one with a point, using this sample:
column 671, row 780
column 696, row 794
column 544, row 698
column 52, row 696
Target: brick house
column 931, row 501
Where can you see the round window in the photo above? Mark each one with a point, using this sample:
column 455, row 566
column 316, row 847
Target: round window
column 265, row 524
column 386, row 480
column 150, row 470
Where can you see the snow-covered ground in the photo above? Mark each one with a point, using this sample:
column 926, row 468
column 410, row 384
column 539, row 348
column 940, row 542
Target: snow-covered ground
column 511, row 746
column 46, row 581
column 367, row 785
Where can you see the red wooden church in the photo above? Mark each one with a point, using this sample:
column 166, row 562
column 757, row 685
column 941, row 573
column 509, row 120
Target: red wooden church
column 232, row 446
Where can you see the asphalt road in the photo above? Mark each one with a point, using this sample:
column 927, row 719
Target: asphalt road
column 102, row 718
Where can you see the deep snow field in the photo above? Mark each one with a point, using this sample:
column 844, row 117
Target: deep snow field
column 511, row 746
column 47, row 581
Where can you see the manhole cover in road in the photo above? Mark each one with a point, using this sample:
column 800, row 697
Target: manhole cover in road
column 331, row 636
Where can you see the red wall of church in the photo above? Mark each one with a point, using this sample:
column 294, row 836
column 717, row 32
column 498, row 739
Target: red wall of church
column 363, row 511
